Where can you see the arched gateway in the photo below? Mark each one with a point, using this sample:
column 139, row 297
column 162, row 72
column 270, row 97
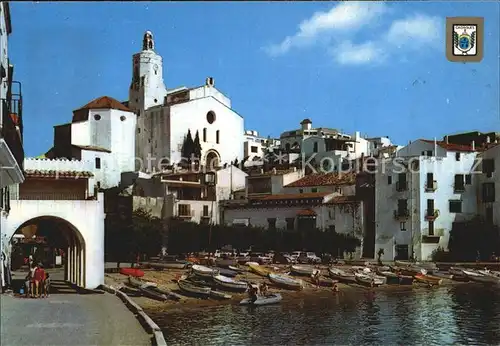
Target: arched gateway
column 72, row 219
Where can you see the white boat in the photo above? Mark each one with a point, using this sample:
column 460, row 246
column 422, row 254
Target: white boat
column 368, row 280
column 189, row 288
column 286, row 281
column 203, row 271
column 479, row 277
column 274, row 298
column 341, row 275
column 302, row 270
column 229, row 283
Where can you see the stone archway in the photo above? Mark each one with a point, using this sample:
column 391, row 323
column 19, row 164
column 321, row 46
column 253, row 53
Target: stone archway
column 212, row 159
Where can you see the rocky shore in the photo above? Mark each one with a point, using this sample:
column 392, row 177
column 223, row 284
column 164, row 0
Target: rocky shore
column 166, row 279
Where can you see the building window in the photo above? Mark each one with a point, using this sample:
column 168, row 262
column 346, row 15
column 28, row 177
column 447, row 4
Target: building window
column 271, row 223
column 401, row 184
column 211, row 117
column 457, row 156
column 205, row 210
column 301, row 190
column 97, row 117
column 290, row 223
column 315, row 147
column 431, row 227
column 488, row 167
column 402, row 226
column 97, row 163
column 488, row 192
column 122, row 118
column 468, row 179
column 98, row 185
column 402, row 207
column 217, row 136
column 455, row 206
column 331, row 228
column 389, row 179
column 429, row 153
column 314, row 189
column 138, row 130
column 459, row 183
column 184, row 210
column 287, row 147
column 205, row 134
column 253, row 149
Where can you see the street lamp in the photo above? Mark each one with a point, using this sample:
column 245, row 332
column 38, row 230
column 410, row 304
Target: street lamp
column 210, row 181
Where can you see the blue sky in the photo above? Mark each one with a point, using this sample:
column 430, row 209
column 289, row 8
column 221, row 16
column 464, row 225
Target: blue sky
column 379, row 68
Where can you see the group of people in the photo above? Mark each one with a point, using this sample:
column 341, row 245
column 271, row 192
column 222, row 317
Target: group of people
column 37, row 282
column 254, row 292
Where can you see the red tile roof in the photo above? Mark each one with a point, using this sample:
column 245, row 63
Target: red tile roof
column 286, row 196
column 325, row 179
column 35, row 173
column 92, row 148
column 306, row 212
column 342, row 200
column 451, row 146
column 105, row 102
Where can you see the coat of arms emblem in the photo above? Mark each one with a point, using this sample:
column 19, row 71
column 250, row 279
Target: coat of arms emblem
column 464, row 40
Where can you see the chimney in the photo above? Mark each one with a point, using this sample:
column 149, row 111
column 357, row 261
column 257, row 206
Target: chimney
column 473, row 145
column 446, row 139
column 210, row 82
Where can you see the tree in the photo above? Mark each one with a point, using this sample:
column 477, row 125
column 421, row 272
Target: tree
column 197, row 146
column 188, row 147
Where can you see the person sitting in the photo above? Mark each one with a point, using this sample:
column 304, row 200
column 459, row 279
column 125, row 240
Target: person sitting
column 252, row 293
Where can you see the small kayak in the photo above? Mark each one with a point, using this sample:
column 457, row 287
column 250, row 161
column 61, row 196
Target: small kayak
column 137, row 273
column 274, row 298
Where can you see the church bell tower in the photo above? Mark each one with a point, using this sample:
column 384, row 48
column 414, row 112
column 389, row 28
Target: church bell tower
column 147, row 88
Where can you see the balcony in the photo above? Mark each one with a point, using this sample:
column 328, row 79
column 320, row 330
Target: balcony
column 431, row 215
column 431, row 186
column 401, row 214
column 401, row 186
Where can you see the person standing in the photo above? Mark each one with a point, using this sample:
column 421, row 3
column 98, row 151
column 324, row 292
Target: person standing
column 39, row 280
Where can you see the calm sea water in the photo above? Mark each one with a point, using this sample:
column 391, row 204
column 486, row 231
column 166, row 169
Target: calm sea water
column 465, row 314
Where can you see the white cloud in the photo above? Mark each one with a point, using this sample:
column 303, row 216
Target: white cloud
column 348, row 53
column 415, row 31
column 346, row 17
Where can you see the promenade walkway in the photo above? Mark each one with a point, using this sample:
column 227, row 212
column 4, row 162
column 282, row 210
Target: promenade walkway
column 68, row 318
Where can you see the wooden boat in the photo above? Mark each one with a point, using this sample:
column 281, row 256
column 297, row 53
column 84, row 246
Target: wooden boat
column 225, row 262
column 430, row 267
column 219, row 295
column 226, row 272
column 341, row 275
column 368, row 280
column 323, row 280
column 191, row 289
column 130, row 291
column 167, row 265
column 269, row 299
column 151, row 289
column 409, row 270
column 286, row 281
column 259, row 270
column 202, row 271
column 236, row 269
column 229, row 283
column 302, row 270
column 396, row 279
column 428, row 279
column 134, row 272
column 478, row 277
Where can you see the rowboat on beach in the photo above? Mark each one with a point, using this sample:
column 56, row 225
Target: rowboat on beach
column 478, row 277
column 226, row 272
column 230, row 283
column 151, row 290
column 428, row 279
column 226, row 262
column 259, row 270
column 341, row 275
column 202, row 271
column 368, row 280
column 286, row 281
column 167, row 265
column 191, row 289
column 323, row 280
column 133, row 272
column 396, row 279
column 269, row 299
column 302, row 270
column 219, row 295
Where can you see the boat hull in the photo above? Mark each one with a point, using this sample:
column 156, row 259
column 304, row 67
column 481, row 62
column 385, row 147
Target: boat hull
column 225, row 263
column 286, row 282
column 230, row 284
column 202, row 271
column 368, row 280
column 259, row 270
column 341, row 276
column 301, row 270
column 428, row 279
column 193, row 290
column 263, row 300
column 134, row 272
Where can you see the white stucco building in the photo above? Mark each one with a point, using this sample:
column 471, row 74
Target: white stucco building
column 487, row 178
column 420, row 194
column 255, row 148
column 165, row 116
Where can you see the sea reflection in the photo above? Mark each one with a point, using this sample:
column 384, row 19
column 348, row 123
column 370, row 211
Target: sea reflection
column 465, row 314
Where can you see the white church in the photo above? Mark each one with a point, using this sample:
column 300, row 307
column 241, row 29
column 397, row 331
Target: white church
column 164, row 116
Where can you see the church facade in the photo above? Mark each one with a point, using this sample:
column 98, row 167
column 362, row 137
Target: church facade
column 165, row 117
